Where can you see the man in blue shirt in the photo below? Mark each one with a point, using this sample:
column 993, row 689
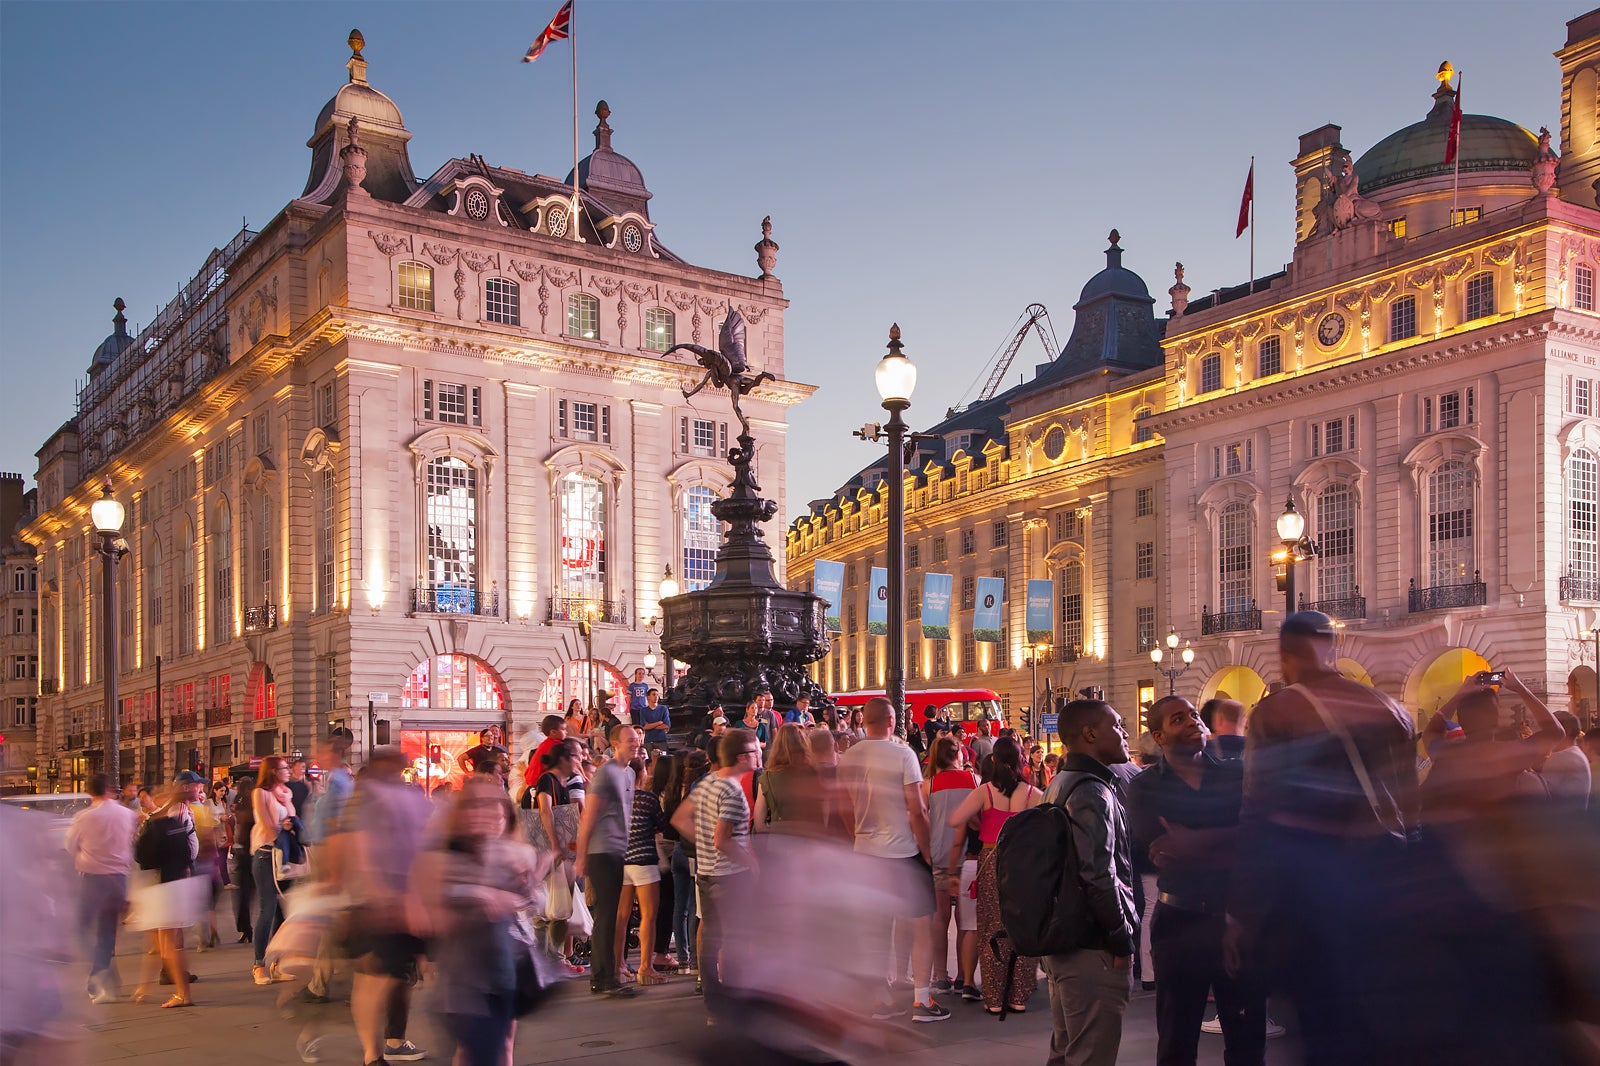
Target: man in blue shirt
column 637, row 691
column 654, row 719
column 801, row 714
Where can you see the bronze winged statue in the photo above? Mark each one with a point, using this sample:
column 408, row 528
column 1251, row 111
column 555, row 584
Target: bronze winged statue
column 726, row 367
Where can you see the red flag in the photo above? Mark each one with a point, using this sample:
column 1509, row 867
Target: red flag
column 557, row 31
column 1453, row 142
column 1246, row 200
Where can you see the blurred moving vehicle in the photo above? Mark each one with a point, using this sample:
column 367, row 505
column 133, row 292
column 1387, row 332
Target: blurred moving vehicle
column 57, row 807
column 966, row 706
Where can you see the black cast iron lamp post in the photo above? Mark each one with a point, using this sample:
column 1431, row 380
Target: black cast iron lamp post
column 1296, row 547
column 668, row 589
column 896, row 378
column 1174, row 671
column 107, row 515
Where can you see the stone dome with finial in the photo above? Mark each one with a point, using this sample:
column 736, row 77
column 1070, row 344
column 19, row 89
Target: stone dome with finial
column 1418, row 150
column 609, row 175
column 1115, row 325
column 114, row 345
column 383, row 135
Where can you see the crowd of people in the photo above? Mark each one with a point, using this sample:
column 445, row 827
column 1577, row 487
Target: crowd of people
column 1412, row 897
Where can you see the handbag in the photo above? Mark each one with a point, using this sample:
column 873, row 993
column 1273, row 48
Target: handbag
column 284, row 868
column 558, row 894
column 535, row 971
column 581, row 922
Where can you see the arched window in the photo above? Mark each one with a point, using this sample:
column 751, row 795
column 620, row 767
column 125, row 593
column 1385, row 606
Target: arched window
column 327, row 515
column 1235, row 555
column 415, row 290
column 1583, row 519
column 1269, row 357
column 582, row 517
column 660, row 329
column 700, row 535
column 186, row 581
column 454, row 682
column 1336, row 541
column 502, row 301
column 1451, row 553
column 450, row 514
column 1583, row 288
column 1479, row 296
column 155, row 576
column 1070, row 632
column 1141, row 426
column 1211, row 373
column 80, row 617
column 219, row 553
column 583, row 316
column 1403, row 318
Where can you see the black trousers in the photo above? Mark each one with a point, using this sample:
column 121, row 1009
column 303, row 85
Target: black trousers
column 1186, row 948
column 244, row 889
column 604, row 873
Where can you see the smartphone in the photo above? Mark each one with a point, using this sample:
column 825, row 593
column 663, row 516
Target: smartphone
column 1491, row 677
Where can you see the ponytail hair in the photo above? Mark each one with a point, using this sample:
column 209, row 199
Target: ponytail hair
column 1007, row 765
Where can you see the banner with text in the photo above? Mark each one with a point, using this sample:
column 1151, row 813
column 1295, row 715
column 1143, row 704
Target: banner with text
column 1041, row 598
column 986, row 612
column 936, row 606
column 828, row 582
column 878, row 603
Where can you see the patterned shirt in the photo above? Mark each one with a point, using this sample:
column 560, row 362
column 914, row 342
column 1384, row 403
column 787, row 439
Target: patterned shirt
column 719, row 799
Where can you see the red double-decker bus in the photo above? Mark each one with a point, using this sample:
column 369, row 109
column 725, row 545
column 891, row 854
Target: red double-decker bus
column 967, row 706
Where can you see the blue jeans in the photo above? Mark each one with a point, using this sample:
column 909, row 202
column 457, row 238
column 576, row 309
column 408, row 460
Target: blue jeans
column 683, row 909
column 269, row 917
column 100, row 903
column 483, row 1037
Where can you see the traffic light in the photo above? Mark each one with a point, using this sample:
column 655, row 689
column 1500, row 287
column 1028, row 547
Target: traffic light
column 435, row 752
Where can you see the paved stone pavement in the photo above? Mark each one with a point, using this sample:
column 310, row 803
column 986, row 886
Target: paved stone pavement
column 236, row 1023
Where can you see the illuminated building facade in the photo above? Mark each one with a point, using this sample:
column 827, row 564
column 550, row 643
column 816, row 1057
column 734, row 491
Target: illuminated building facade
column 19, row 641
column 411, row 439
column 1420, row 380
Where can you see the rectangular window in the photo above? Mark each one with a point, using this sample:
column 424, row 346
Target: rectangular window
column 451, row 401
column 914, row 601
column 941, row 551
column 1145, row 626
column 704, row 440
column 502, row 302
column 327, row 416
column 1211, row 373
column 326, row 515
column 1144, row 502
column 1336, row 542
column 261, row 431
column 1583, row 289
column 1235, row 557
column 1269, row 357
column 969, row 654
column 1582, row 397
column 1144, row 560
column 1397, row 227
column 561, row 417
column 1449, row 410
column 1480, row 296
column 416, row 287
column 1233, row 459
column 969, row 541
column 1462, row 216
column 914, row 556
column 969, row 596
column 585, row 420
column 1001, row 534
column 658, row 329
column 1068, row 525
column 1403, row 318
column 1070, row 581
column 605, row 424
column 701, row 533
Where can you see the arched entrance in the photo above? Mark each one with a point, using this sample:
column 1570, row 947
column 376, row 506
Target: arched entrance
column 570, row 681
column 1235, row 683
column 448, row 683
column 1434, row 682
column 1581, row 695
column 1355, row 671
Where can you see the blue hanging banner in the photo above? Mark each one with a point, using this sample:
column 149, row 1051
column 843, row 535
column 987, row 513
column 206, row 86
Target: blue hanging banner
column 828, row 582
column 987, row 610
column 936, row 606
column 878, row 603
column 1041, row 597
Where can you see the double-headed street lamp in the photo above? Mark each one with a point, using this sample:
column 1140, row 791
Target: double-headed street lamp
column 1174, row 671
column 107, row 515
column 1297, row 548
column 896, row 377
column 658, row 625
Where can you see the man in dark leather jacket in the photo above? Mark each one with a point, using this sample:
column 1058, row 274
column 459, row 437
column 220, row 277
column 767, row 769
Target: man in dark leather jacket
column 1089, row 987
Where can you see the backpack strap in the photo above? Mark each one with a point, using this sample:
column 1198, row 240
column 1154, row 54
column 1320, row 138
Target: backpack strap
column 1352, row 753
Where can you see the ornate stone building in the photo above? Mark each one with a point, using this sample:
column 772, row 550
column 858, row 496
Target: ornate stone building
column 1420, row 380
column 418, row 439
column 19, row 640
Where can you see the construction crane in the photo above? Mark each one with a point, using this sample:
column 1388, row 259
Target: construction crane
column 1035, row 319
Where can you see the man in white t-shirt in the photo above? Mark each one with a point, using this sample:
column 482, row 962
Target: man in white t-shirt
column 883, row 782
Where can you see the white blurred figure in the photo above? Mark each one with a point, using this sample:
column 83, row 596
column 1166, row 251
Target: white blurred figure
column 34, row 942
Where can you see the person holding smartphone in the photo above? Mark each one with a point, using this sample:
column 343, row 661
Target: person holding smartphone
column 1491, row 762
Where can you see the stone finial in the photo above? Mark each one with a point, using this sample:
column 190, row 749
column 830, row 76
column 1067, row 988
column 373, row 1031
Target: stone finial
column 1114, row 252
column 766, row 250
column 355, row 161
column 602, row 132
column 1545, row 164
column 1179, row 292
column 1114, row 237
column 357, row 66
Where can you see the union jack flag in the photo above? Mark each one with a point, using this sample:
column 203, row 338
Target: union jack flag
column 558, row 30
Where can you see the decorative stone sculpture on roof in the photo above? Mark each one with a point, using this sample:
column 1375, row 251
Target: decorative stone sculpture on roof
column 725, row 367
column 766, row 250
column 355, row 161
column 1545, row 164
column 1179, row 292
column 1342, row 204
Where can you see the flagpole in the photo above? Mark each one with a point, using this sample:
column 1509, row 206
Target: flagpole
column 1455, row 189
column 1252, row 224
column 572, row 32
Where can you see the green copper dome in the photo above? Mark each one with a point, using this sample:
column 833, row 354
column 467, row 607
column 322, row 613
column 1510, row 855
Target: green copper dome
column 1417, row 151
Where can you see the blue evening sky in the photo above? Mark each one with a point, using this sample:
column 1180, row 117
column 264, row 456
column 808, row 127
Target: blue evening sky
column 937, row 164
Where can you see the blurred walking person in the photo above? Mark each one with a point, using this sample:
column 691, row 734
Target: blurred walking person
column 100, row 841
column 244, row 878
column 690, row 767
column 167, row 847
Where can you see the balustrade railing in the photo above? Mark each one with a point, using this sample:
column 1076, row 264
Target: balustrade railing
column 1241, row 621
column 1442, row 597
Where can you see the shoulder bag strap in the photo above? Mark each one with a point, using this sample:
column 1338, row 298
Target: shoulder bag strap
column 1357, row 763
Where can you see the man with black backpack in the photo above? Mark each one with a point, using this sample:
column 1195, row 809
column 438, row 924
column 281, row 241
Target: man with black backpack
column 1089, row 984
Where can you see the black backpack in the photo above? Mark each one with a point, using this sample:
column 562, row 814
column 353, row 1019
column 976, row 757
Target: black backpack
column 1042, row 906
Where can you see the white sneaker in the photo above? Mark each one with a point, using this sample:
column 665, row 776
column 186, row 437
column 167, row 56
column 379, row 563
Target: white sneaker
column 1274, row 1030
column 1212, row 1024
column 102, row 996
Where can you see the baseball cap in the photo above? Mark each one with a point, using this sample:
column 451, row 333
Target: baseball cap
column 189, row 777
column 1308, row 624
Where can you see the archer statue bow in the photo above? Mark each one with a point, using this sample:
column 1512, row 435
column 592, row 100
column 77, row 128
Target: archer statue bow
column 726, row 367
